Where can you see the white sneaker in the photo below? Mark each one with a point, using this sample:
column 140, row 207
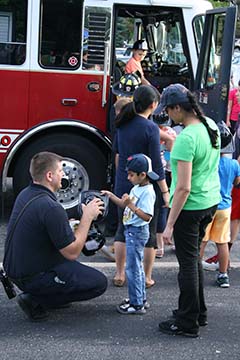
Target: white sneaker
column 210, row 266
column 127, row 309
column 223, row 280
column 105, row 250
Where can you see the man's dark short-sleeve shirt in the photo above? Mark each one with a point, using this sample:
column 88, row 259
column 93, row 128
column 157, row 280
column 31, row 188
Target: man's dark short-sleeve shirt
column 43, row 229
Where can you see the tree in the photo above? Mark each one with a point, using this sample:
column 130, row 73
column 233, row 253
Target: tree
column 124, row 32
column 220, row 3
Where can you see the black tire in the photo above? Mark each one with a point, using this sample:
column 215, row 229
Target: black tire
column 69, row 146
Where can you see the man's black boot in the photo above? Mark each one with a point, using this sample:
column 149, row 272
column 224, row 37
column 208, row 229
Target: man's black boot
column 33, row 310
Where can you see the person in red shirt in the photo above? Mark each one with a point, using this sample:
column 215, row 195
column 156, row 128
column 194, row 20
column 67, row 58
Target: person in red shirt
column 233, row 108
column 139, row 50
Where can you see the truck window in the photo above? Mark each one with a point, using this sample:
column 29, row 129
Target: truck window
column 60, row 34
column 13, row 30
column 198, row 25
column 96, row 32
column 211, row 73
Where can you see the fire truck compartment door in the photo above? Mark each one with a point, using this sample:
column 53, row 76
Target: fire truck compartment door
column 214, row 66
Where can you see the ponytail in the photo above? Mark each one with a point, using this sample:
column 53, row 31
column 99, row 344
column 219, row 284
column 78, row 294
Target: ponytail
column 213, row 134
column 126, row 115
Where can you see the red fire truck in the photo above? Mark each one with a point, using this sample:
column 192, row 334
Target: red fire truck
column 59, row 58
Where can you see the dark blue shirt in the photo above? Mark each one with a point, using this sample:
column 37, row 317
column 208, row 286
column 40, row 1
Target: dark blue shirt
column 42, row 230
column 140, row 135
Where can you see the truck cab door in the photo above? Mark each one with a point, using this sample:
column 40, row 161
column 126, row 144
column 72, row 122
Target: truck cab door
column 214, row 66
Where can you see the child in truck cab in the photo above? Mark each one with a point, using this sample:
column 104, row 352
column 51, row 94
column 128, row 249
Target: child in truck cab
column 139, row 50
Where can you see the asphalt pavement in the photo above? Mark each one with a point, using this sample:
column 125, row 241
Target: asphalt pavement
column 93, row 330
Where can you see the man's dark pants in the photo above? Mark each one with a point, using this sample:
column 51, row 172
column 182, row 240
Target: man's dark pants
column 65, row 283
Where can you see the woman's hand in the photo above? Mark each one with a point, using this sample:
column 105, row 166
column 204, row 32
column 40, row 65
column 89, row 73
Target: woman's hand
column 167, row 235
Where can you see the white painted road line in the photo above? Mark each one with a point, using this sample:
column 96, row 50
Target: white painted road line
column 157, row 265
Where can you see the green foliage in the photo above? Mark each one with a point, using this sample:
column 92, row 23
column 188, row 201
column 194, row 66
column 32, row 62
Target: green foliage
column 219, row 3
column 124, row 31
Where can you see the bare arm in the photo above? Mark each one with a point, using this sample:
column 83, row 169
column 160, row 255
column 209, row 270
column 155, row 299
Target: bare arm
column 182, row 191
column 116, row 160
column 114, row 198
column 90, row 212
column 236, row 181
column 145, row 81
column 230, row 103
column 126, row 201
column 168, row 140
column 164, row 190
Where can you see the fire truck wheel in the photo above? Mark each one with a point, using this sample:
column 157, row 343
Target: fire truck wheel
column 84, row 166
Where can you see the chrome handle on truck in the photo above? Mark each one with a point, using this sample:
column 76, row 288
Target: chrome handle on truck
column 69, row 102
column 105, row 68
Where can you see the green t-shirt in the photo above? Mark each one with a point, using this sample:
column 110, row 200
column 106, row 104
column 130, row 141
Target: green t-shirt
column 193, row 144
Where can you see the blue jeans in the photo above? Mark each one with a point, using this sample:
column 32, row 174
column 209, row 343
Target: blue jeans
column 136, row 238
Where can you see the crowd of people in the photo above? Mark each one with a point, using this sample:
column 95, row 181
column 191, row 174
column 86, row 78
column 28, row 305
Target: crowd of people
column 171, row 187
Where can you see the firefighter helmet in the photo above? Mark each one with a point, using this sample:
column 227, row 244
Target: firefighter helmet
column 140, row 45
column 126, row 85
column 95, row 241
column 87, row 196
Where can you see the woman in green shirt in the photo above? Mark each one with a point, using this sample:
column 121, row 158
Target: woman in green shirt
column 194, row 196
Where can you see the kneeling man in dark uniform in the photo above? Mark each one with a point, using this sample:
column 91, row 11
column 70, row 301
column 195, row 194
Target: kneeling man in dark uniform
column 41, row 250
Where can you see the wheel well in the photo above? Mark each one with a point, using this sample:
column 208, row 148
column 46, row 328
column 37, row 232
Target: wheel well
column 66, row 131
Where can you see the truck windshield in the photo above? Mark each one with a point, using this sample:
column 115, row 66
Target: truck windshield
column 169, row 43
column 168, row 58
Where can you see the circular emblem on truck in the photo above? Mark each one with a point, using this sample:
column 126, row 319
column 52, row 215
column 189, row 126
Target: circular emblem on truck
column 5, row 140
column 73, row 61
column 94, row 86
